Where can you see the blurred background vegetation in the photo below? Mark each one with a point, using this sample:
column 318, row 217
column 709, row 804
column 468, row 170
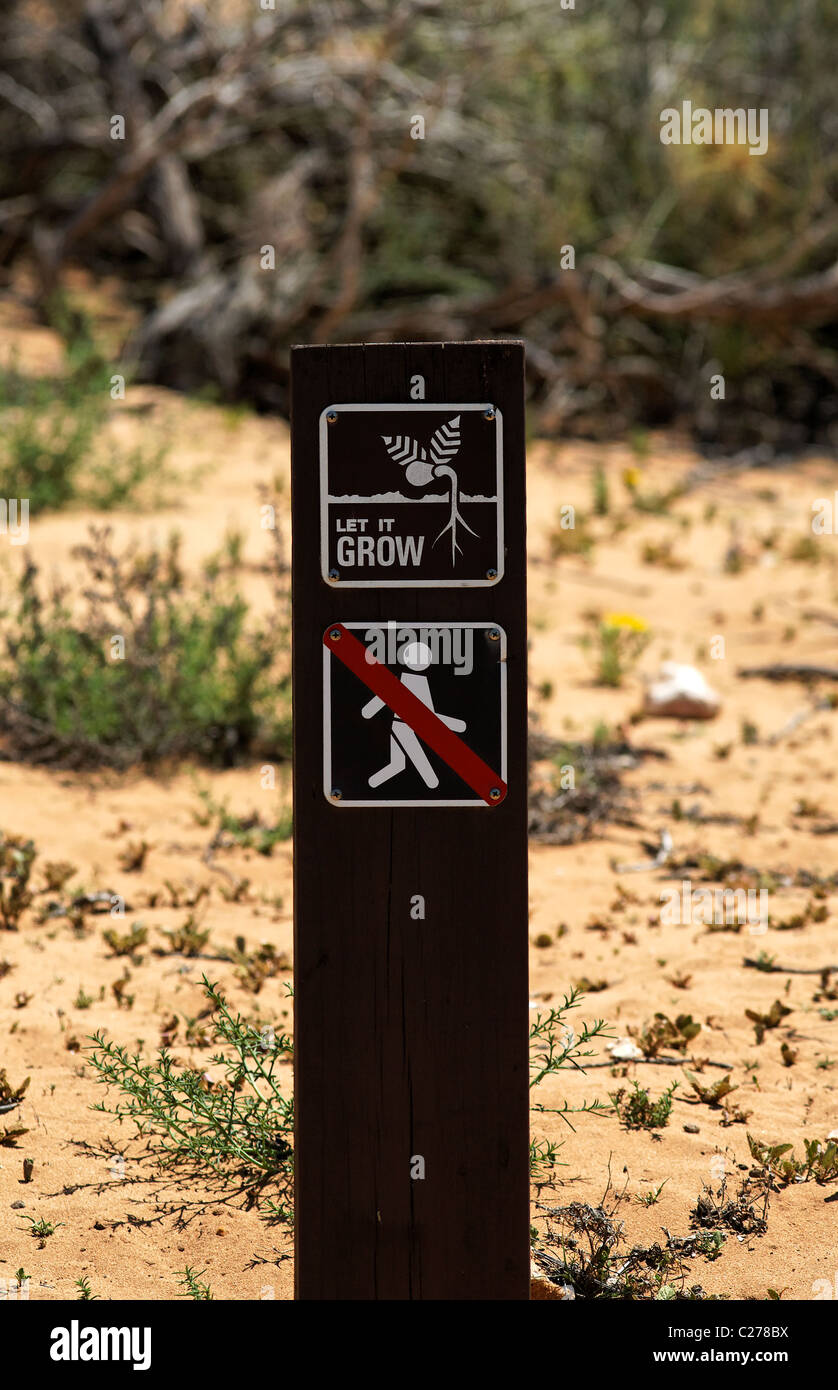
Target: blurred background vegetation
column 293, row 129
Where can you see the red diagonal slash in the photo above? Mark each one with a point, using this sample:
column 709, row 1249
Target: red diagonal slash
column 381, row 681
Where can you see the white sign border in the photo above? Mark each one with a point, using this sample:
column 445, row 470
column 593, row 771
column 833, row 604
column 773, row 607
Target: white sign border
column 342, row 583
column 328, row 783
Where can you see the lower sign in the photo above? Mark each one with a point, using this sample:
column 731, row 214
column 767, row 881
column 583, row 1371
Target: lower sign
column 414, row 715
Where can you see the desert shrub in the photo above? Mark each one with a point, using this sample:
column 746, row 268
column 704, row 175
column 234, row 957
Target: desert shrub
column 237, row 1127
column 51, row 449
column 243, row 832
column 242, row 1125
column 556, row 1046
column 197, row 677
column 582, row 1249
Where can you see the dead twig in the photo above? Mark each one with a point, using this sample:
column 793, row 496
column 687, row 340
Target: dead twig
column 789, row 671
column 799, row 718
column 770, row 968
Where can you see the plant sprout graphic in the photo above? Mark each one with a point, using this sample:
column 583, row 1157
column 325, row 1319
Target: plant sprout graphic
column 413, row 457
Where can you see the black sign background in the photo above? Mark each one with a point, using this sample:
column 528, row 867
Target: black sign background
column 361, row 746
column 359, row 465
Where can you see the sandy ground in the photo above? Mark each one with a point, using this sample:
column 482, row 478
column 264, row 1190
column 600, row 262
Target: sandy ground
column 129, row 1229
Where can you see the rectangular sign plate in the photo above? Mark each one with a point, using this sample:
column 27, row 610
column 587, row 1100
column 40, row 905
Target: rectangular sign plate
column 414, row 714
column 411, row 495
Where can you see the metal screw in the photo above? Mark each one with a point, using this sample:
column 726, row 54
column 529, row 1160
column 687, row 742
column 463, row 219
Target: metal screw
column 336, row 794
column 331, row 417
column 494, row 793
column 334, row 574
column 335, row 634
column 489, row 414
column 491, row 574
column 493, row 634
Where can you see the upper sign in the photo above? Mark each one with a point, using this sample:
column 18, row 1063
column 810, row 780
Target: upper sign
column 411, row 496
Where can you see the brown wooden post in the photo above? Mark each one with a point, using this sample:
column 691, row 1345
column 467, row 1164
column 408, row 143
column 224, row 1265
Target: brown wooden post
column 410, row 849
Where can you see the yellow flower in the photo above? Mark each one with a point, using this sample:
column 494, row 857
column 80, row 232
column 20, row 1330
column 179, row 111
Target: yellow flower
column 627, row 620
column 631, row 478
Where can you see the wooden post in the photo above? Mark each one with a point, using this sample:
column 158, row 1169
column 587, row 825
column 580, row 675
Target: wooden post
column 410, row 848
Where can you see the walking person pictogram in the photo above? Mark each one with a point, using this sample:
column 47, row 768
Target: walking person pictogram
column 404, row 742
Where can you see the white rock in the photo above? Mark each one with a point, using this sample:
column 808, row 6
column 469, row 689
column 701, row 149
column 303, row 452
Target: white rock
column 624, row 1050
column 681, row 692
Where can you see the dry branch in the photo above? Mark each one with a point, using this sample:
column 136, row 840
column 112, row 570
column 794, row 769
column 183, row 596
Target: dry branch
column 790, row 671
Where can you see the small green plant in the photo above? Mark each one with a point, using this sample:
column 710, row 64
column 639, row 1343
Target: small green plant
column 622, row 638
column 241, row 1123
column 119, row 990
column 651, row 1198
column 656, row 503
column 86, row 1294
column 764, row 961
column 543, row 1160
column 186, row 940
column 244, row 832
column 17, row 855
column 637, row 1110
column 555, row 1046
column 661, row 553
column 41, row 1227
column 10, row 1097
column 763, row 1021
column 662, row 1034
column 805, row 550
column 255, row 967
column 83, row 1000
column 190, row 1280
column 57, row 875
column 126, row 943
column 601, row 501
column 572, row 536
column 820, row 1162
column 711, row 1095
column 133, row 857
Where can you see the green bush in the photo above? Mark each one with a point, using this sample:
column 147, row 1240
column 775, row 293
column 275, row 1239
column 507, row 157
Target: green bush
column 238, row 1126
column 197, row 678
column 51, row 442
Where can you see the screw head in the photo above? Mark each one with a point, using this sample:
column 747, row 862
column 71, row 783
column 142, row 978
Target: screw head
column 493, row 634
column 331, row 417
column 335, row 794
column 495, row 793
column 491, row 573
column 335, row 634
column 334, row 575
column 489, row 414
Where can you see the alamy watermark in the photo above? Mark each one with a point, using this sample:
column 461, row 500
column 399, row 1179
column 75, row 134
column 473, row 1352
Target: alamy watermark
column 715, row 907
column 14, row 519
column 698, row 125
column 445, row 646
column 82, row 1343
